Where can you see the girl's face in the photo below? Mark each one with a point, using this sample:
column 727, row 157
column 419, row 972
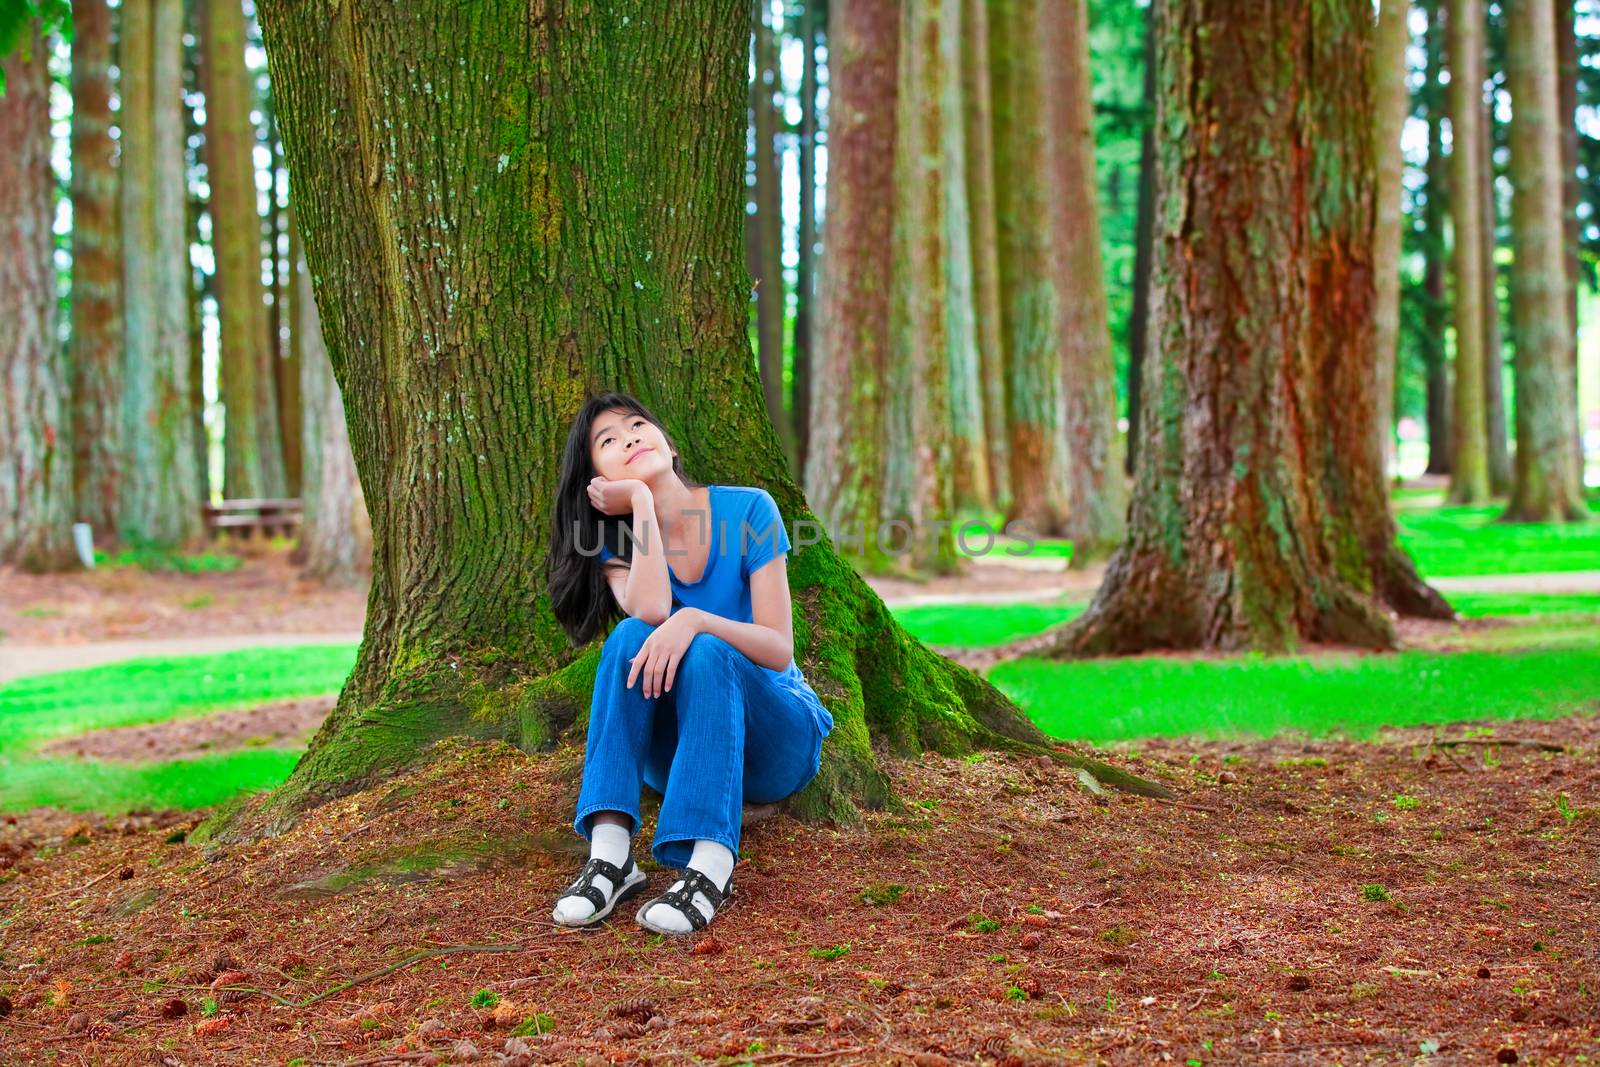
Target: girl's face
column 626, row 445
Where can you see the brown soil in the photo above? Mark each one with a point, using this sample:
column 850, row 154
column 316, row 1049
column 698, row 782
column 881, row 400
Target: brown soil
column 1037, row 924
column 288, row 724
column 264, row 595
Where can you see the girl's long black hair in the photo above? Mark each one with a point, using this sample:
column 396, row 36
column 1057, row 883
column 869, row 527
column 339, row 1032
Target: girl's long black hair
column 580, row 597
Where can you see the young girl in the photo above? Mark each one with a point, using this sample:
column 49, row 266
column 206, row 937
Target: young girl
column 697, row 693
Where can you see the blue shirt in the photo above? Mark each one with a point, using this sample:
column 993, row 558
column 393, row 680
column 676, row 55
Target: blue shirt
column 746, row 532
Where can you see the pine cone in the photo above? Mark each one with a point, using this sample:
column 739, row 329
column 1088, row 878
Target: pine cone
column 639, row 1010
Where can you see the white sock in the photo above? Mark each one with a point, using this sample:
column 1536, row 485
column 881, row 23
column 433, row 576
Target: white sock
column 712, row 859
column 609, row 842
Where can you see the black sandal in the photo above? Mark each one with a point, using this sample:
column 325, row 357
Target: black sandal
column 689, row 883
column 626, row 881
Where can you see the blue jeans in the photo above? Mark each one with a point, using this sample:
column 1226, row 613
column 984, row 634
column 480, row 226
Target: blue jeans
column 722, row 735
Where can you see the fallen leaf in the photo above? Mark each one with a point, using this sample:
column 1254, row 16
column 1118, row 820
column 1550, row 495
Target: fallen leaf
column 207, row 1027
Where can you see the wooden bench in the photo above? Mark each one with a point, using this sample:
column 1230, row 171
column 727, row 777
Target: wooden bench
column 271, row 517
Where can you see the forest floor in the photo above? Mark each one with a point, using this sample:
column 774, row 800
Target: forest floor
column 1307, row 902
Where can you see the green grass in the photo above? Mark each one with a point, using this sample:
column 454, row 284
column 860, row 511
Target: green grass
column 39, row 709
column 984, row 625
column 1350, row 694
column 1454, row 541
column 980, row 625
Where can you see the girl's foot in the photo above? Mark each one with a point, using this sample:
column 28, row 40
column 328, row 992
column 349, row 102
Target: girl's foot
column 691, row 903
column 596, row 892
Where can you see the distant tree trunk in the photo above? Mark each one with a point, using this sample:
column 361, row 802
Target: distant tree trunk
column 1435, row 210
column 1548, row 485
column 96, row 274
column 805, row 284
column 253, row 448
column 1260, row 246
column 284, row 357
column 200, row 289
column 1469, row 469
column 1390, row 67
column 969, row 461
column 35, row 433
column 769, row 219
column 1566, row 29
column 1139, row 316
column 458, row 409
column 1350, row 499
column 1099, row 497
column 919, row 440
column 160, row 502
column 844, row 479
column 979, row 133
column 1494, row 392
column 336, row 535
column 1041, row 490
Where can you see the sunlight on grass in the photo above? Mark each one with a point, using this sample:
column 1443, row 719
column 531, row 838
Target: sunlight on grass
column 1117, row 699
column 1454, row 541
column 980, row 625
column 38, row 709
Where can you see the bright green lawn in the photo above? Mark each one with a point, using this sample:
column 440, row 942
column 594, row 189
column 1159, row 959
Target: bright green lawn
column 1452, row 541
column 38, row 709
column 983, row 625
column 1118, row 699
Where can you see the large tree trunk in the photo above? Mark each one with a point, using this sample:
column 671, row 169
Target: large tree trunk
column 1548, row 485
column 1469, row 469
column 336, row 534
column 1262, row 301
column 806, row 234
column 35, row 436
column 917, row 447
column 252, row 446
column 1494, row 392
column 96, row 273
column 844, row 477
column 469, row 302
column 1095, row 521
column 1041, row 490
column 160, row 502
column 1435, row 210
column 977, row 110
column 1139, row 314
column 1390, row 67
column 769, row 221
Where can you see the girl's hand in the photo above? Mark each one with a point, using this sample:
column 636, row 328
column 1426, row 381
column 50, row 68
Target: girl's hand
column 656, row 664
column 614, row 496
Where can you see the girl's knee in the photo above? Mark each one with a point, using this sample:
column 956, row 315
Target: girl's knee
column 706, row 650
column 626, row 637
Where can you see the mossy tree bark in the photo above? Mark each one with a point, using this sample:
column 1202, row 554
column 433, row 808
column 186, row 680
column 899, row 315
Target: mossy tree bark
column 96, row 273
column 253, row 447
column 160, row 490
column 1095, row 521
column 1469, row 470
column 1547, row 484
column 584, row 232
column 1262, row 303
column 35, row 434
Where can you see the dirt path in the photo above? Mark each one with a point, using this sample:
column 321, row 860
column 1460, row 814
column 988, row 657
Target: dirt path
column 1315, row 902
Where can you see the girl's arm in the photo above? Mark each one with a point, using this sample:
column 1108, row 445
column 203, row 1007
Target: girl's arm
column 769, row 640
column 643, row 589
